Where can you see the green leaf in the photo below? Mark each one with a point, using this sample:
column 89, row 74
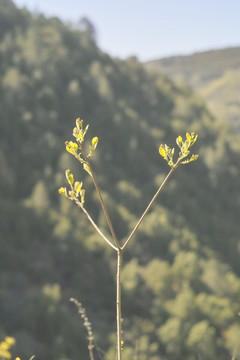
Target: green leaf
column 195, row 138
column 94, row 142
column 77, row 187
column 69, row 176
column 63, row 191
column 71, row 147
column 93, row 146
column 192, row 158
column 162, row 151
column 179, row 141
column 188, row 136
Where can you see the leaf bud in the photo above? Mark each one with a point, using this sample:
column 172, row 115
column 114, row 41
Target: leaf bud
column 69, row 176
column 63, row 191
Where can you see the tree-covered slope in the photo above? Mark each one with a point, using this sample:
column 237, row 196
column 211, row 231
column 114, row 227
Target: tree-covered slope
column 213, row 74
column 181, row 273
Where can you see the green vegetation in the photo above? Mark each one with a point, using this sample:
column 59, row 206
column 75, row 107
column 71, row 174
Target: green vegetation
column 181, row 275
column 213, row 74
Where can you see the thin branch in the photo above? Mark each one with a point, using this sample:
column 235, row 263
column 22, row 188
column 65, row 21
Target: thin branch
column 95, row 225
column 100, row 198
column 150, row 205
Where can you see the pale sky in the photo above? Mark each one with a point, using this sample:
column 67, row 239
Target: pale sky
column 150, row 29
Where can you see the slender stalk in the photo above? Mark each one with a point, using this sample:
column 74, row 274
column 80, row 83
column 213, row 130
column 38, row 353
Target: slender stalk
column 150, row 205
column 95, row 225
column 109, row 222
column 119, row 305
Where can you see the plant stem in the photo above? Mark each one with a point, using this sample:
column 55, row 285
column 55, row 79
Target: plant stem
column 119, row 305
column 95, row 225
column 100, row 198
column 150, row 205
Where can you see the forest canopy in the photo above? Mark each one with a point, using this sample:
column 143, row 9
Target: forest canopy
column 181, row 295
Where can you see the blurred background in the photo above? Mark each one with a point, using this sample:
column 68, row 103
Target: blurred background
column 140, row 74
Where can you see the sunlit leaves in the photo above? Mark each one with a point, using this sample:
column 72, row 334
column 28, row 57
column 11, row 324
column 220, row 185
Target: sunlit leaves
column 179, row 141
column 192, row 158
column 78, row 187
column 63, row 191
column 167, row 153
column 93, row 146
column 94, row 142
column 184, row 148
column 189, row 137
column 162, row 151
column 71, row 147
column 79, row 131
column 76, row 149
column 76, row 191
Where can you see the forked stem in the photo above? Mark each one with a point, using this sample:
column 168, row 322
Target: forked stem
column 167, row 153
column 118, row 248
column 95, row 225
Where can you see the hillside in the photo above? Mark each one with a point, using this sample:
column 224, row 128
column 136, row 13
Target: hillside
column 214, row 75
column 181, row 277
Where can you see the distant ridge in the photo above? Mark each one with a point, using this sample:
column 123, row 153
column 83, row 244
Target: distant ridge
column 214, row 74
column 212, row 63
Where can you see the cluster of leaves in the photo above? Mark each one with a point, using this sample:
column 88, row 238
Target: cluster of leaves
column 167, row 153
column 77, row 190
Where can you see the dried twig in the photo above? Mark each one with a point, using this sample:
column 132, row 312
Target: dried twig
column 87, row 324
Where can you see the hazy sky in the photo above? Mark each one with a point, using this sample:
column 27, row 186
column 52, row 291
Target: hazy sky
column 151, row 29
